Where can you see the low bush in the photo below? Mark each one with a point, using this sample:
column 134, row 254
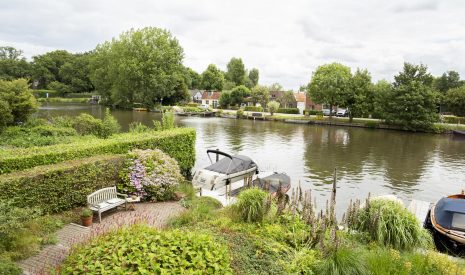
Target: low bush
column 239, row 113
column 343, row 261
column 253, row 109
column 141, row 249
column 288, row 111
column 8, row 267
column 63, row 100
column 454, row 120
column 312, row 112
column 389, row 223
column 43, row 93
column 251, row 205
column 41, row 135
column 190, row 109
column 192, row 104
column 86, row 124
column 178, row 143
column 63, row 186
column 199, row 209
column 137, row 127
column 79, row 95
column 151, row 175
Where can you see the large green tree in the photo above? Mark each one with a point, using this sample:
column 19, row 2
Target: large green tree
column 46, row 67
column 254, row 76
column 193, row 79
column 236, row 71
column 448, row 80
column 276, row 87
column 260, row 94
column 455, row 100
column 225, row 99
column 412, row 102
column 381, row 91
column 329, row 85
column 359, row 97
column 212, row 78
column 142, row 66
column 238, row 94
column 12, row 64
column 287, row 99
column 16, row 102
column 75, row 73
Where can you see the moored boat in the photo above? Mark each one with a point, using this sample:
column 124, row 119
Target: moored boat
column 458, row 133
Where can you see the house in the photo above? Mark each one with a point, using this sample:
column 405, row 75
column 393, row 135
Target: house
column 310, row 105
column 286, row 99
column 196, row 96
column 211, row 99
column 276, row 95
column 300, row 99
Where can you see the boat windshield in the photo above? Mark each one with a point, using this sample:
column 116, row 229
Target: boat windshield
column 458, row 221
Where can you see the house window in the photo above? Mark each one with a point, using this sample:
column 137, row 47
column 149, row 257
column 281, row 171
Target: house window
column 207, row 102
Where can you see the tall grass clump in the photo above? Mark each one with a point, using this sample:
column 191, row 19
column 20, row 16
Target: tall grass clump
column 343, row 261
column 198, row 209
column 251, row 205
column 387, row 222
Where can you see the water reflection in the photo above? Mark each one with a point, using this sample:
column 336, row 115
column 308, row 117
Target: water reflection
column 376, row 161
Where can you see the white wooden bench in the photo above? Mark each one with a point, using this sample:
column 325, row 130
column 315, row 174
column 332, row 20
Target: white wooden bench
column 105, row 199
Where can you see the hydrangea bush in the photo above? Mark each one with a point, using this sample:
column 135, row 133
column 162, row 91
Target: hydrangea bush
column 151, row 175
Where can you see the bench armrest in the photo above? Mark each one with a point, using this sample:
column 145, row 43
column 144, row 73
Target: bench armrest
column 122, row 195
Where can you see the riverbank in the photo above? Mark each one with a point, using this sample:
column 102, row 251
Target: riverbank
column 439, row 128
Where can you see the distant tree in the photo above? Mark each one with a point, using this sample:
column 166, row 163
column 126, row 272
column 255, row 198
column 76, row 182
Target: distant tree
column 212, row 78
column 302, row 88
column 260, row 94
column 248, row 83
column 75, row 73
column 455, row 100
column 358, row 99
column 16, row 101
column 61, row 88
column 46, row 67
column 238, row 94
column 236, row 71
column 448, row 80
column 412, row 102
column 272, row 106
column 287, row 99
column 381, row 90
column 276, row 87
column 254, row 76
column 141, row 66
column 225, row 99
column 229, row 85
column 329, row 85
column 193, row 79
column 13, row 65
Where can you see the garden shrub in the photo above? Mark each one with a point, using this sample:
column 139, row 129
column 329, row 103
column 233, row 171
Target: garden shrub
column 308, row 112
column 178, row 143
column 192, row 104
column 251, row 205
column 43, row 93
column 137, row 127
column 194, row 109
column 253, row 108
column 63, row 186
column 8, row 267
column 239, row 113
column 110, row 125
column 42, row 135
column 343, row 261
column 288, row 111
column 141, row 249
column 199, row 209
column 389, row 223
column 454, row 120
column 151, row 175
column 86, row 124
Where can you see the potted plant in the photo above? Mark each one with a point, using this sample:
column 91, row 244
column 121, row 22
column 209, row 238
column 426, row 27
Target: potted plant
column 86, row 217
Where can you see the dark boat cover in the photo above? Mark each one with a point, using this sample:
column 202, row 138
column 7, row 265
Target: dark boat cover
column 273, row 181
column 450, row 213
column 230, row 166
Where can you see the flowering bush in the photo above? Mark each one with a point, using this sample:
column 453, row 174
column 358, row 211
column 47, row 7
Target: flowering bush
column 151, row 175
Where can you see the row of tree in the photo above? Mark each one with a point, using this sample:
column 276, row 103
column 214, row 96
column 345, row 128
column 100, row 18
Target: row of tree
column 413, row 100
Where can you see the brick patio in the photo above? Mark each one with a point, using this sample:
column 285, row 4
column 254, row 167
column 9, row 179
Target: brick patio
column 51, row 256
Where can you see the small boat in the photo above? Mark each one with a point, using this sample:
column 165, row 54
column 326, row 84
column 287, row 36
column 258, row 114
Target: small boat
column 458, row 133
column 224, row 171
column 446, row 221
column 272, row 184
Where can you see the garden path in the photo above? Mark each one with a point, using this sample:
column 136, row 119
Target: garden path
column 51, row 256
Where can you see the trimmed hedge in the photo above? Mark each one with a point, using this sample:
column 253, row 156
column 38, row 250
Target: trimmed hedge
column 179, row 143
column 253, row 109
column 43, row 93
column 288, row 111
column 58, row 187
column 312, row 112
column 454, row 120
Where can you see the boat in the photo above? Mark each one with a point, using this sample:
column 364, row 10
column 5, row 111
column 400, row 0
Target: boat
column 225, row 171
column 446, row 221
column 273, row 184
column 458, row 133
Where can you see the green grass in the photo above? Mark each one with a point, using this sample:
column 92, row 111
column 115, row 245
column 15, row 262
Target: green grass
column 63, row 100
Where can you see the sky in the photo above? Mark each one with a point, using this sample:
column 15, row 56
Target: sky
column 285, row 40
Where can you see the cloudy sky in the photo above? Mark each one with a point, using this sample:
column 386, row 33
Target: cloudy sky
column 285, row 40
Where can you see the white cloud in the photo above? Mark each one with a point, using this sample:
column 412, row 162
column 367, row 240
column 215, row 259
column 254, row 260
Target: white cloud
column 285, row 40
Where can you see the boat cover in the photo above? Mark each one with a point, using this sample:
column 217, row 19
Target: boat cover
column 450, row 213
column 273, row 181
column 230, row 166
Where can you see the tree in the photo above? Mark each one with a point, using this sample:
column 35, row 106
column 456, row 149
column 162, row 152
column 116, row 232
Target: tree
column 225, row 99
column 236, row 71
column 254, row 76
column 229, row 85
column 287, row 99
column 12, row 64
column 142, row 66
column 380, row 92
column 16, row 101
column 260, row 94
column 212, row 78
column 359, row 98
column 448, row 80
column 193, row 79
column 238, row 94
column 329, row 84
column 455, row 100
column 276, row 87
column 75, row 73
column 412, row 102
column 272, row 106
column 46, row 67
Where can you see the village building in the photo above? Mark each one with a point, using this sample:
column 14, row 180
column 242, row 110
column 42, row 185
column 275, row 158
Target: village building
column 211, row 99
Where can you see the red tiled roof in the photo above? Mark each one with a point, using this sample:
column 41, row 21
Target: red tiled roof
column 299, row 97
column 211, row 95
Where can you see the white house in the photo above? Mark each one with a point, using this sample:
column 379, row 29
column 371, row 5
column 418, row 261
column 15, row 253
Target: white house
column 196, row 95
column 300, row 99
column 211, row 99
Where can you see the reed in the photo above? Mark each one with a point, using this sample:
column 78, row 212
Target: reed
column 252, row 205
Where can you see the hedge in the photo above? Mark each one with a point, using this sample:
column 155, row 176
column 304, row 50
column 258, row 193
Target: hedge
column 288, row 111
column 312, row 112
column 43, row 93
column 58, row 187
column 454, row 120
column 253, row 109
column 179, row 143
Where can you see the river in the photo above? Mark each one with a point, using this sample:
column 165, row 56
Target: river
column 408, row 165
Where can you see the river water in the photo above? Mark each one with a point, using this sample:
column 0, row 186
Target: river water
column 408, row 165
